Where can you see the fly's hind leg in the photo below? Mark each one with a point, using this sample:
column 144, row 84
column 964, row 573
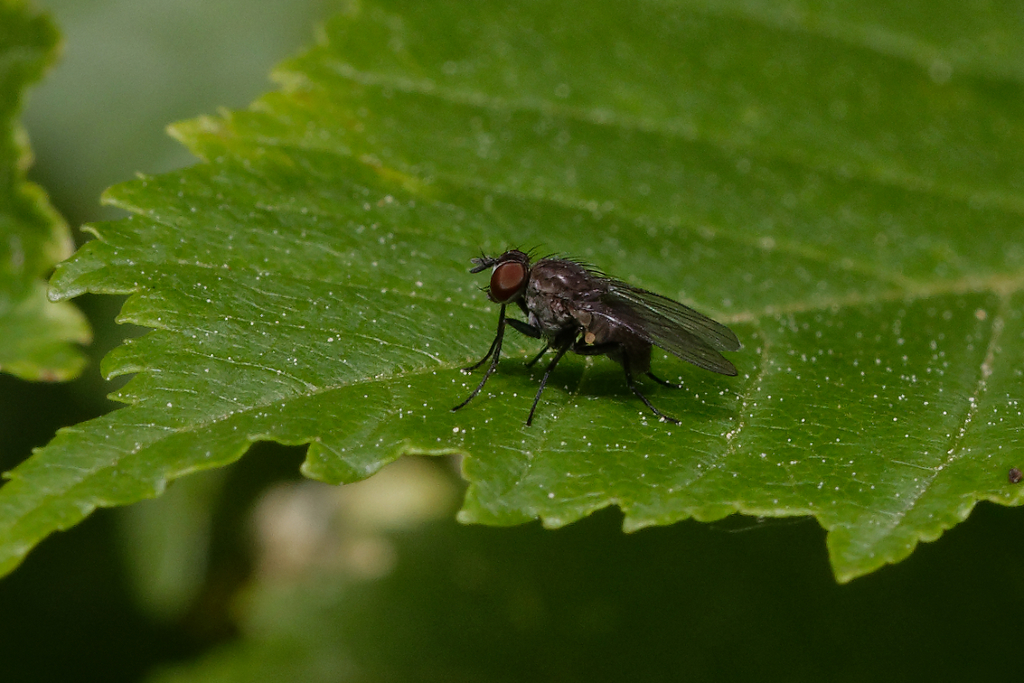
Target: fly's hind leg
column 664, row 382
column 636, row 390
column 620, row 352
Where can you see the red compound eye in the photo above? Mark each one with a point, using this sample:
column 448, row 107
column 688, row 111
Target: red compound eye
column 507, row 280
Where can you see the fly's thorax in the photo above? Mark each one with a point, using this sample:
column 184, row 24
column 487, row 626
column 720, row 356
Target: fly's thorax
column 554, row 293
column 558, row 276
column 549, row 312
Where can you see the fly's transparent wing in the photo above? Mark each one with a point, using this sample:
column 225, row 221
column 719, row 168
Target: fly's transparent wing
column 659, row 331
column 653, row 306
column 678, row 329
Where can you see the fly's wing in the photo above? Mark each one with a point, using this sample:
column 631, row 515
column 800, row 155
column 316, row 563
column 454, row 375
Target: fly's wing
column 678, row 329
column 653, row 306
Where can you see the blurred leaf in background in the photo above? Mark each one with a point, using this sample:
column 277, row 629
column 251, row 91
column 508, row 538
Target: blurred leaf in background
column 127, row 68
column 37, row 338
column 130, row 67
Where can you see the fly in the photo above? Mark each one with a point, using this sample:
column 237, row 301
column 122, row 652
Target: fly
column 574, row 308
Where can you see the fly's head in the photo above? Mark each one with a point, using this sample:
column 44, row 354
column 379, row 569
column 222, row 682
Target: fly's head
column 509, row 277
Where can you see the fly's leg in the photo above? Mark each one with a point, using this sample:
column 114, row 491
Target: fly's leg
column 524, row 328
column 496, row 350
column 632, row 385
column 544, row 379
column 529, row 331
column 663, row 382
column 520, row 326
column 610, row 348
column 533, row 361
column 483, row 360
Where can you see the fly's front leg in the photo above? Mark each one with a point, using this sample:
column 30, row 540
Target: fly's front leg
column 495, row 350
column 496, row 342
column 483, row 360
column 520, row 326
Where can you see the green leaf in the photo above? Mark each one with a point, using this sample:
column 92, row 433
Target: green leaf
column 854, row 216
column 36, row 336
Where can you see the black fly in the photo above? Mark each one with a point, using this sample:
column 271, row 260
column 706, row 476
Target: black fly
column 572, row 307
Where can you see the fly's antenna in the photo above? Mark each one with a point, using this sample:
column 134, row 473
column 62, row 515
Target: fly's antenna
column 482, row 262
